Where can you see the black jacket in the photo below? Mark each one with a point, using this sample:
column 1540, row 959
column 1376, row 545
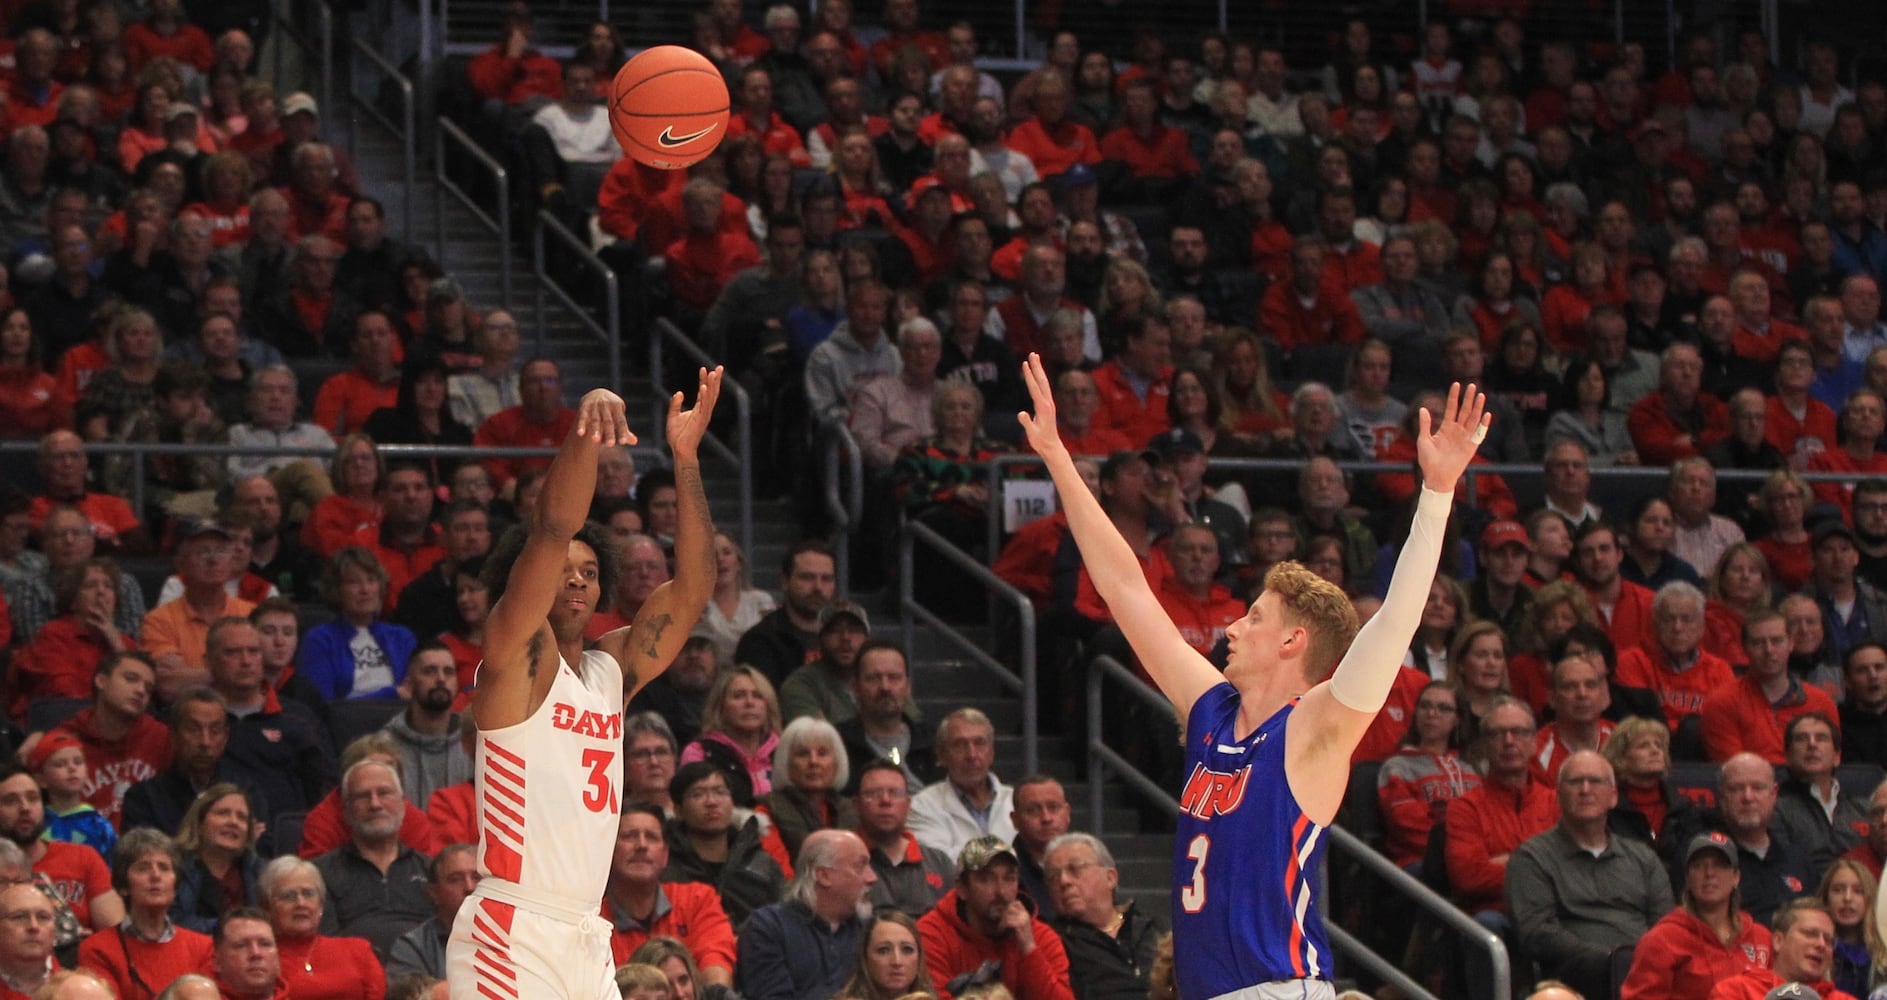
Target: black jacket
column 921, row 761
column 1111, row 968
column 776, row 648
column 747, row 881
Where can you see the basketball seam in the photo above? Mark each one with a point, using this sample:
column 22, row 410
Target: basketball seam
column 671, row 114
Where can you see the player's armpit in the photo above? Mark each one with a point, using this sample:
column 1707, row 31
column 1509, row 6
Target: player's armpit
column 1318, row 742
column 645, row 648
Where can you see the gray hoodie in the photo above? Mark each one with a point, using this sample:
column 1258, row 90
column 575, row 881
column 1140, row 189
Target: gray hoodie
column 429, row 762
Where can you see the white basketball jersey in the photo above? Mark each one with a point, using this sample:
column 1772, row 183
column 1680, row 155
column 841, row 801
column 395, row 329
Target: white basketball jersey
column 550, row 787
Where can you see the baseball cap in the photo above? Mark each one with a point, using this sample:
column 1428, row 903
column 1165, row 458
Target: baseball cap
column 1832, row 527
column 298, row 102
column 444, row 290
column 1177, row 441
column 1076, row 176
column 1118, row 460
column 1505, row 533
column 1792, row 991
column 981, row 852
column 1710, row 842
column 835, row 610
column 199, row 528
column 50, row 744
column 179, row 109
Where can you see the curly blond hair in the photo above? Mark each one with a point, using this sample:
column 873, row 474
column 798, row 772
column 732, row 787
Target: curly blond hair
column 1321, row 608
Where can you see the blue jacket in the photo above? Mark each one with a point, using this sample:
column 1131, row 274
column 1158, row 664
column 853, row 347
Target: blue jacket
column 788, row 953
column 200, row 905
column 328, row 663
column 1867, row 255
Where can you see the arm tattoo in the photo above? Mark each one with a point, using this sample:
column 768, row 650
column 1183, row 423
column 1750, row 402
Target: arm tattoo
column 694, row 499
column 648, row 635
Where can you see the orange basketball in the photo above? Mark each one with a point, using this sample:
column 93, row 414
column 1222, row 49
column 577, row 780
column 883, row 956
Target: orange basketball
column 668, row 107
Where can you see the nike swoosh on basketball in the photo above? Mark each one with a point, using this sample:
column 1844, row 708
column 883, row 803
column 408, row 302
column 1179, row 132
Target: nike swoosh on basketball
column 669, row 138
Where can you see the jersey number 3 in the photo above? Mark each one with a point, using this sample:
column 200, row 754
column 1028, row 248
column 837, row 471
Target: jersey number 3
column 1193, row 896
column 600, row 794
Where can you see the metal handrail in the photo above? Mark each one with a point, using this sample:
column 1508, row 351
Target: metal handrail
column 847, row 510
column 324, row 30
column 741, row 455
column 911, row 612
column 1101, row 757
column 1000, row 464
column 442, row 183
column 406, row 130
column 610, row 330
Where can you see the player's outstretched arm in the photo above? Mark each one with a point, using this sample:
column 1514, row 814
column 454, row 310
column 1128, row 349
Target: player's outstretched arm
column 661, row 628
column 509, row 685
column 1340, row 710
column 1181, row 673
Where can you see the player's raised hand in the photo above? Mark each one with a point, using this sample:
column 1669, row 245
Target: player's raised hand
column 1039, row 426
column 602, row 418
column 1446, row 447
column 687, row 427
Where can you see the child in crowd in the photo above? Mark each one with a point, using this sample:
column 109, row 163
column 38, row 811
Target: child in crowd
column 58, row 763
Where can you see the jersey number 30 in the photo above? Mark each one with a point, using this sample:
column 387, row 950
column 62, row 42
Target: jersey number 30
column 1193, row 896
column 600, row 794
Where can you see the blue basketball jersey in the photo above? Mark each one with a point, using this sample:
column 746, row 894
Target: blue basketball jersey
column 1247, row 864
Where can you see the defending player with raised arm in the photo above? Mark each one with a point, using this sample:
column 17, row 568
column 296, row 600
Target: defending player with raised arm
column 1284, row 713
column 549, row 714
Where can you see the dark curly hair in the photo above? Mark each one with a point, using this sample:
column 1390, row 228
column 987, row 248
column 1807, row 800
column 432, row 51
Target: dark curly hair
column 503, row 556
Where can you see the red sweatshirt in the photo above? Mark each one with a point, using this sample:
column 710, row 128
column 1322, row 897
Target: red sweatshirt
column 1414, row 789
column 952, row 947
column 1027, row 561
column 1201, row 622
column 335, row 523
column 700, row 266
column 112, row 953
column 1383, row 738
column 497, row 77
column 1630, row 622
column 1330, row 318
column 1813, row 432
column 1839, row 460
column 58, row 663
column 1654, row 430
column 114, row 765
column 1681, row 694
column 323, row 830
column 322, row 966
column 513, row 428
column 1138, row 420
column 1164, row 154
column 1738, row 717
column 1055, row 149
column 694, row 917
column 1488, row 822
column 453, row 811
column 1681, row 958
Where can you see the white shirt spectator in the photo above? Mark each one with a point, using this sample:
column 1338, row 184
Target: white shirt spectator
column 940, row 818
column 584, row 138
column 248, row 436
column 1015, row 170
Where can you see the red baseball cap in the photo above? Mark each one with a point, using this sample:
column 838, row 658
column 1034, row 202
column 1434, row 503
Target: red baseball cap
column 1505, row 533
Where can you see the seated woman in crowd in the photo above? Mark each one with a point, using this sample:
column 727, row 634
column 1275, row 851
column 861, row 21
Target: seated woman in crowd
column 30, row 406
column 316, row 966
column 1740, row 587
column 353, row 509
column 1585, row 414
column 1427, row 772
column 1494, row 301
column 357, row 655
column 127, row 387
column 466, row 639
column 1477, row 667
column 740, row 728
column 812, row 759
column 1554, row 610
column 221, row 869
column 59, row 661
column 1648, row 804
column 1706, row 940
column 1250, row 406
column 1784, row 502
column 420, row 415
column 736, row 605
column 1442, row 619
column 1648, row 560
column 148, row 949
column 890, row 963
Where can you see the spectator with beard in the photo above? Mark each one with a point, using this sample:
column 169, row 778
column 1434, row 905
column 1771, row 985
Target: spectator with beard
column 986, row 140
column 679, row 694
column 427, row 732
column 77, row 873
column 1020, row 322
column 1864, row 710
column 1086, row 263
column 275, row 555
column 822, row 687
column 807, row 946
column 375, row 882
column 788, row 637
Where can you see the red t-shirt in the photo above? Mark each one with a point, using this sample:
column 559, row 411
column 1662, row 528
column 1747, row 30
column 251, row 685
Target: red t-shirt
column 77, row 873
column 348, row 398
column 513, row 428
column 1163, row 154
column 110, row 515
column 1055, row 149
column 700, row 266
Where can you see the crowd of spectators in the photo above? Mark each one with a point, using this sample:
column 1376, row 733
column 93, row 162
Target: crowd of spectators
column 240, row 761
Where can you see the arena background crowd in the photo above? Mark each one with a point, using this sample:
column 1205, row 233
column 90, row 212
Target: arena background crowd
column 1639, row 734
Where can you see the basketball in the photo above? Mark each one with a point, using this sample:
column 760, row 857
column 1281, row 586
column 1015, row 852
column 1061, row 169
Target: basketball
column 668, row 107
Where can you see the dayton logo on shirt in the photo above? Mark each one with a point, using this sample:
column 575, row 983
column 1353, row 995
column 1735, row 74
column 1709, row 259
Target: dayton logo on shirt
column 1210, row 793
column 586, row 722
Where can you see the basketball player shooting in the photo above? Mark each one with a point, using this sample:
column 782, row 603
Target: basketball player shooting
column 1268, row 743
column 549, row 716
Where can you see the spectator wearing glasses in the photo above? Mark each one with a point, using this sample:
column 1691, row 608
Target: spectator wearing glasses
column 1111, row 945
column 911, row 877
column 26, row 938
column 539, row 420
column 146, row 952
column 1485, row 825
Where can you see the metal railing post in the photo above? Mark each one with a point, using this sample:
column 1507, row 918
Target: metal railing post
column 537, row 268
column 741, row 455
column 501, row 182
column 1024, row 679
column 406, row 128
column 324, row 17
column 439, row 195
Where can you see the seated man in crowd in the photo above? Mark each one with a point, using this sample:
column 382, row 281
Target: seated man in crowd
column 450, row 877
column 1751, row 712
column 1813, row 811
column 642, row 906
column 911, row 876
column 1485, row 826
column 67, row 542
column 123, row 744
column 62, row 466
column 175, row 634
column 970, row 801
column 984, row 930
column 376, row 884
column 808, row 945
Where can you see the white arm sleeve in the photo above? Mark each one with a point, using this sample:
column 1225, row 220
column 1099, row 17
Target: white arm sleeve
column 1363, row 679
